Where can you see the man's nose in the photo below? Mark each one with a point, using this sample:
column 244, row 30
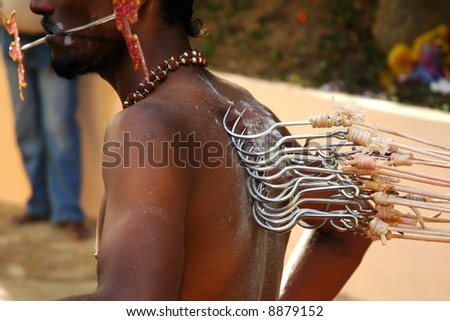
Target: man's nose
column 42, row 7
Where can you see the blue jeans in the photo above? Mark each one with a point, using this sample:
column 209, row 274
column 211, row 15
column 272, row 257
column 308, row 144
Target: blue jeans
column 47, row 134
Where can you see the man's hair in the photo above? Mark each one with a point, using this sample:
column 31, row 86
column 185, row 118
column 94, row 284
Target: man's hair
column 181, row 11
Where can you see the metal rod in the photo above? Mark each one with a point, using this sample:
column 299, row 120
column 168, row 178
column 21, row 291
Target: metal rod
column 71, row 30
column 90, row 24
column 33, row 44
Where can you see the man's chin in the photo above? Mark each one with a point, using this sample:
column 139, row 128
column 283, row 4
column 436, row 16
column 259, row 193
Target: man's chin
column 65, row 74
column 67, row 70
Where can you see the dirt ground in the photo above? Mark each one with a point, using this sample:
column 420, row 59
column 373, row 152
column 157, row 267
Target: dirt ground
column 41, row 262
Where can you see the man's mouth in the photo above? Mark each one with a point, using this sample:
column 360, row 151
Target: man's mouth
column 51, row 28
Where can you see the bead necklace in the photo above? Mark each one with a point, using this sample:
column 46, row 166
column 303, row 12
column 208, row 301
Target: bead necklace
column 160, row 74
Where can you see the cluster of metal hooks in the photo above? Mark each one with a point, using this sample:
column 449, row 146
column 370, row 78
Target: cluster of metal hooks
column 334, row 177
column 285, row 178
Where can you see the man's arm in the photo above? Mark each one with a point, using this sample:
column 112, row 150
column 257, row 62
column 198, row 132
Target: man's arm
column 141, row 247
column 321, row 264
column 322, row 261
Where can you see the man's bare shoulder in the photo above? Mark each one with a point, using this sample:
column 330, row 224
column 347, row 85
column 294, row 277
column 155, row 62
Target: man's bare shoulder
column 146, row 121
column 242, row 101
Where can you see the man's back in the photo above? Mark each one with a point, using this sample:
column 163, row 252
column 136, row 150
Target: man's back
column 225, row 254
column 229, row 256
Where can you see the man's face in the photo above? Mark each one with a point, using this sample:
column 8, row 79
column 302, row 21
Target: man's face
column 81, row 52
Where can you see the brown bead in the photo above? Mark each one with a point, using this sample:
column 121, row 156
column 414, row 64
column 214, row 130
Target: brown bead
column 161, row 75
column 130, row 97
column 152, row 77
column 140, row 87
column 163, row 65
column 149, row 87
column 173, row 65
column 138, row 97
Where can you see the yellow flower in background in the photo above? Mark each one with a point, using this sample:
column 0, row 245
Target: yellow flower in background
column 434, row 36
column 400, row 59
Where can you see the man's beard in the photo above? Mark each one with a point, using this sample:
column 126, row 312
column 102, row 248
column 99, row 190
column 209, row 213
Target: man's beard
column 70, row 67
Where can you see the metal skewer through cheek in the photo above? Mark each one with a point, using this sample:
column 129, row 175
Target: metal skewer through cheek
column 71, row 30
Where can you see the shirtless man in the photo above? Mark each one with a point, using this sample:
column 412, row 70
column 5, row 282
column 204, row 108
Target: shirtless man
column 182, row 231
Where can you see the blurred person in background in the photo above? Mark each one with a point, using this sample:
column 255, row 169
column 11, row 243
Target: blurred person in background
column 47, row 132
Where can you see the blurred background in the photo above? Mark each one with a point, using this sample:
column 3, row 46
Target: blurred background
column 295, row 56
column 389, row 49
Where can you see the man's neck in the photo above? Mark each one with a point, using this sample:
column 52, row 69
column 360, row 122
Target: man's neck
column 158, row 43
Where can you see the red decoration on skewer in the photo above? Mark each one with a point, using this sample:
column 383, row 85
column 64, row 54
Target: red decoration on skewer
column 126, row 14
column 15, row 50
